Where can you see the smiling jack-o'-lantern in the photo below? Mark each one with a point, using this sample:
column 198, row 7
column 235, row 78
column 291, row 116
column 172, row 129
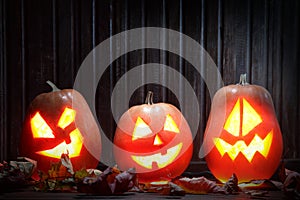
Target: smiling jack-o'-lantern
column 60, row 122
column 155, row 139
column 242, row 134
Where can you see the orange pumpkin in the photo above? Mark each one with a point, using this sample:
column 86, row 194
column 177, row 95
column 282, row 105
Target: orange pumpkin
column 155, row 139
column 242, row 134
column 61, row 122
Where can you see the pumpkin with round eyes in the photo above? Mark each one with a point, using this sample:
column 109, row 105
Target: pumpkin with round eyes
column 60, row 122
column 242, row 135
column 155, row 139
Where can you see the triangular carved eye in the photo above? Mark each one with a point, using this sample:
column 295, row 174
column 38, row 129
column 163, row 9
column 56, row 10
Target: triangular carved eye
column 170, row 125
column 141, row 129
column 232, row 124
column 67, row 117
column 250, row 119
column 40, row 128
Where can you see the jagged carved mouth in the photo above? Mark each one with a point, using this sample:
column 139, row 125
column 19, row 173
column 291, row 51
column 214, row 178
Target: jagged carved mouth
column 160, row 160
column 259, row 145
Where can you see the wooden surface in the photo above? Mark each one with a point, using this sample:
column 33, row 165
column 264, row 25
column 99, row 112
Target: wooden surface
column 49, row 39
column 274, row 195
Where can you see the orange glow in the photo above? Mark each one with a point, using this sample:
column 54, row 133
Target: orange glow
column 170, row 125
column 256, row 145
column 141, row 129
column 73, row 149
column 67, row 117
column 40, row 128
column 250, row 119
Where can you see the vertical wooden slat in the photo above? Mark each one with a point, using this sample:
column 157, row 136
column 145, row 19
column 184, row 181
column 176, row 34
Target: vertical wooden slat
column 38, row 49
column 3, row 84
column 249, row 41
column 239, row 28
column 203, row 89
column 85, row 27
column 232, row 43
column 163, row 54
column 112, row 48
column 23, row 55
column 64, row 38
column 193, row 22
column 220, row 37
column 298, row 72
column 276, row 55
column 181, row 47
column 270, row 47
column 72, row 34
column 54, row 35
column 259, row 43
column 289, row 98
column 143, row 56
column 265, row 64
column 137, row 18
column 15, row 72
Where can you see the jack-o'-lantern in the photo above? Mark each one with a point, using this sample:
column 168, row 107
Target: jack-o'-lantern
column 60, row 122
column 155, row 139
column 242, row 134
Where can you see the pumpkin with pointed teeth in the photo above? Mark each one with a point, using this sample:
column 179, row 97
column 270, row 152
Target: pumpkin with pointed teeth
column 242, row 135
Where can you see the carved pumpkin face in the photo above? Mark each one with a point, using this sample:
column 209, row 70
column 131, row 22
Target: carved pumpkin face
column 155, row 139
column 40, row 129
column 247, row 140
column 57, row 123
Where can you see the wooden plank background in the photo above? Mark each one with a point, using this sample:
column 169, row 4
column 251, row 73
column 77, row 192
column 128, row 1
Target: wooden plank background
column 48, row 40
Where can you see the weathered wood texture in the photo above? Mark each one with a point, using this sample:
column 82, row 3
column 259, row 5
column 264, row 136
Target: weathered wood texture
column 49, row 39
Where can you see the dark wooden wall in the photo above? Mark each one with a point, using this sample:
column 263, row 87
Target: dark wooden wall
column 48, row 40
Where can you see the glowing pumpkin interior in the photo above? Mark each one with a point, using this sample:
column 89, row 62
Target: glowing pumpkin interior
column 40, row 129
column 142, row 130
column 241, row 121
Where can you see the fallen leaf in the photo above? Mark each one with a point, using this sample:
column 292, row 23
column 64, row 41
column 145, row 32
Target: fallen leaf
column 15, row 174
column 261, row 185
column 257, row 193
column 110, row 181
column 199, row 185
column 292, row 181
column 65, row 161
column 231, row 186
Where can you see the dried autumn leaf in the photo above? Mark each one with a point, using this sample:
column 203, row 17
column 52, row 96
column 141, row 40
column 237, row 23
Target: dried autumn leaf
column 261, row 185
column 124, row 181
column 231, row 186
column 292, row 181
column 58, row 171
column 199, row 185
column 81, row 174
column 257, row 193
column 65, row 161
column 163, row 188
column 14, row 174
column 111, row 181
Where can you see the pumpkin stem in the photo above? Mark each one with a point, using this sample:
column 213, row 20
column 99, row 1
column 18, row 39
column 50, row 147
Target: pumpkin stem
column 243, row 80
column 54, row 88
column 149, row 98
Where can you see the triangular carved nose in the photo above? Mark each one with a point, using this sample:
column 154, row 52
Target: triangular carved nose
column 157, row 141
